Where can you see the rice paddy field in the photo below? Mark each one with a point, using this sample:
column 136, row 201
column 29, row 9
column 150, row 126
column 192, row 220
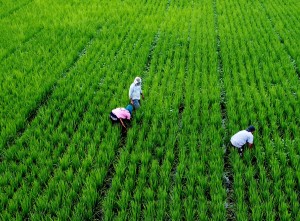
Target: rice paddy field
column 209, row 69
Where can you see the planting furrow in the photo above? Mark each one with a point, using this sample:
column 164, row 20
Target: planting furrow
column 177, row 183
column 228, row 173
column 150, row 55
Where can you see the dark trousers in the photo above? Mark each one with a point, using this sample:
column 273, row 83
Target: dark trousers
column 240, row 150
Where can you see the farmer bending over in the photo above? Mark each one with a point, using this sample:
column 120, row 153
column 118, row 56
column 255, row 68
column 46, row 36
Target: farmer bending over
column 120, row 114
column 241, row 138
column 135, row 92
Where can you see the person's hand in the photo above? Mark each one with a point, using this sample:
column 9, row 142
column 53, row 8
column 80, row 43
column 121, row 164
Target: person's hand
column 143, row 96
column 131, row 101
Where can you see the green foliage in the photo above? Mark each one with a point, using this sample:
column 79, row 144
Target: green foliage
column 209, row 68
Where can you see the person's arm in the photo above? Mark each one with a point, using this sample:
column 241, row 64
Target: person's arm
column 122, row 123
column 142, row 93
column 250, row 141
column 130, row 91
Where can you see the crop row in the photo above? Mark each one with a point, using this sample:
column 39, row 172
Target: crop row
column 261, row 89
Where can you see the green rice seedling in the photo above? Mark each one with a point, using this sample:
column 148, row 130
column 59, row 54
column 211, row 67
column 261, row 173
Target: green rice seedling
column 135, row 209
column 150, row 212
column 161, row 203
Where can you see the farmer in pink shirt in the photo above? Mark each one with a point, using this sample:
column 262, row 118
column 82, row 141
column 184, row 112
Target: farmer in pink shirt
column 120, row 114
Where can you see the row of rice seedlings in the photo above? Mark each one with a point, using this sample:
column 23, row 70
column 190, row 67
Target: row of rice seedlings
column 73, row 95
column 244, row 100
column 198, row 184
column 177, row 188
column 180, row 43
column 40, row 61
column 285, row 18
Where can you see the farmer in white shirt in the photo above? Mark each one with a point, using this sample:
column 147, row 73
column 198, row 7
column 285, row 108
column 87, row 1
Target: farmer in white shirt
column 241, row 138
column 135, row 92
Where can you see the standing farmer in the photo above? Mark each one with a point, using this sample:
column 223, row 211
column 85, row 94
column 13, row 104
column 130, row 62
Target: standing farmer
column 135, row 92
column 241, row 138
column 120, row 114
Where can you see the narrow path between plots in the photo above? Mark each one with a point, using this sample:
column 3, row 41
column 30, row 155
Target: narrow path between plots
column 228, row 174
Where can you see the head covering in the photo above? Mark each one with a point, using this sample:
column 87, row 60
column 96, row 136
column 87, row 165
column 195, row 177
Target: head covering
column 250, row 128
column 129, row 108
column 137, row 80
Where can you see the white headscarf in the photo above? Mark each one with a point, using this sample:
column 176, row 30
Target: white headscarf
column 137, row 81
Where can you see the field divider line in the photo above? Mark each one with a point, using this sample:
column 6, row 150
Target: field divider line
column 281, row 40
column 151, row 51
column 15, row 9
column 46, row 96
column 228, row 173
